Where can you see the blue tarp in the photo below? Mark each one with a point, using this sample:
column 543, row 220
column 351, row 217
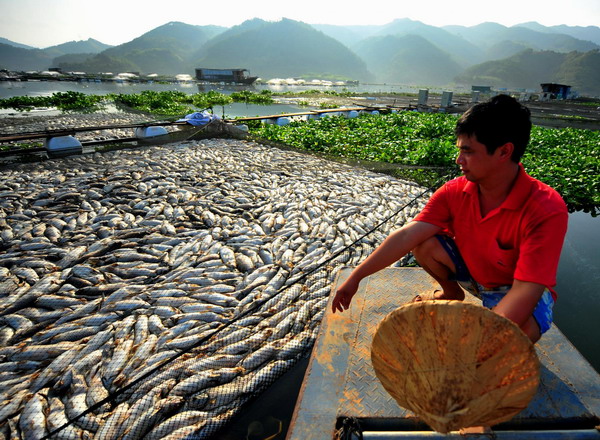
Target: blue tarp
column 199, row 118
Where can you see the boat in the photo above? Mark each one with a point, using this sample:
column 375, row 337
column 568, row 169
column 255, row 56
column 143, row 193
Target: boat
column 342, row 398
column 235, row 76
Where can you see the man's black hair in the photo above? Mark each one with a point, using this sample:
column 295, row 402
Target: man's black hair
column 500, row 120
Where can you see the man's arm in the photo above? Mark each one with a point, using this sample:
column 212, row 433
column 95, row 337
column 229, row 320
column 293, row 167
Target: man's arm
column 520, row 301
column 394, row 247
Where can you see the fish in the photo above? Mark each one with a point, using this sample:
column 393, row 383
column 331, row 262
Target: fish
column 186, row 419
column 32, row 420
column 176, row 280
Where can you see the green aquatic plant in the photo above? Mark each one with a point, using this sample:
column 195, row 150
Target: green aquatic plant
column 567, row 159
column 248, row 97
column 160, row 103
column 76, row 102
column 65, row 101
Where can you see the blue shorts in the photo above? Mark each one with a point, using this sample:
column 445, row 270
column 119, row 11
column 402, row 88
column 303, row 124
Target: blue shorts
column 492, row 296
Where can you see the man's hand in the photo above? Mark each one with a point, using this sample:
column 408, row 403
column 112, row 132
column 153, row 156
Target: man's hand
column 344, row 295
column 394, row 247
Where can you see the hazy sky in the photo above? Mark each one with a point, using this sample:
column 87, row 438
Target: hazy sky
column 43, row 23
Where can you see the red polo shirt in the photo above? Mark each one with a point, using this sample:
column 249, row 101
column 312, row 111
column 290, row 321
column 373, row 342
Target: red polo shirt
column 521, row 239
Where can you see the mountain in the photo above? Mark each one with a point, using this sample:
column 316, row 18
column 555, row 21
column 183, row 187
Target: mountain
column 532, row 35
column 457, row 47
column 12, row 43
column 88, row 46
column 17, row 58
column 482, row 35
column 408, row 59
column 285, row 48
column 163, row 50
column 581, row 71
column 545, row 41
column 504, row 49
column 22, row 58
column 585, row 33
column 529, row 68
column 402, row 51
column 349, row 36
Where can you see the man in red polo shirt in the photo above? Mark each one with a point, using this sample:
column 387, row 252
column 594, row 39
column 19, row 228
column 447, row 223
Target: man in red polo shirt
column 495, row 231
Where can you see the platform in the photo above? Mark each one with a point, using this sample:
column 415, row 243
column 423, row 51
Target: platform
column 340, row 382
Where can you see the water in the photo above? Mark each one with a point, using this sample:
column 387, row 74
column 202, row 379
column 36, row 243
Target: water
column 46, row 88
column 577, row 310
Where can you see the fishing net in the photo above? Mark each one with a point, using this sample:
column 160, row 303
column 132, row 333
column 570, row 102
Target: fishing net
column 455, row 364
column 153, row 293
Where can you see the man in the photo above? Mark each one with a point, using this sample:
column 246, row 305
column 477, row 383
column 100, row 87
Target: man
column 495, row 231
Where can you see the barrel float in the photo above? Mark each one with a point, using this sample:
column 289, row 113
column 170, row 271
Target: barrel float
column 62, row 146
column 149, row 132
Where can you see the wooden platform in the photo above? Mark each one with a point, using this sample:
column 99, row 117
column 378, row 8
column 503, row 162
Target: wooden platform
column 340, row 383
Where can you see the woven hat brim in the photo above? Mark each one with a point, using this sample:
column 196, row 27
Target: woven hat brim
column 455, row 364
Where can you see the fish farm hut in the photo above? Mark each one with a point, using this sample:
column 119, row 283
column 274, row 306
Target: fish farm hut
column 240, row 76
column 556, row 91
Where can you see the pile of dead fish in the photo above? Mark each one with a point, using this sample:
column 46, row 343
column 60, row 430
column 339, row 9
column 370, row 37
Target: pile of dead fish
column 149, row 293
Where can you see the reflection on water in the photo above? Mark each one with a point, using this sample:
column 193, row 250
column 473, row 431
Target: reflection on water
column 577, row 310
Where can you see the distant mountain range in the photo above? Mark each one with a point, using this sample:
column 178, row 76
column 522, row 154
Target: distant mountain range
column 15, row 56
column 403, row 52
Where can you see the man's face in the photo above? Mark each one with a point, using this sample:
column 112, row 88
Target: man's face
column 474, row 160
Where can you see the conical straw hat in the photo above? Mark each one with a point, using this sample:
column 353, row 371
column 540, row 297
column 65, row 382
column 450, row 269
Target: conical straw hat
column 454, row 364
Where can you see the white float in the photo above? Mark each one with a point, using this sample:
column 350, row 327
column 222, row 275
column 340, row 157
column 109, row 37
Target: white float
column 62, row 145
column 150, row 132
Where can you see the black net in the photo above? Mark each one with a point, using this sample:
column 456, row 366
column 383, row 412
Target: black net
column 151, row 293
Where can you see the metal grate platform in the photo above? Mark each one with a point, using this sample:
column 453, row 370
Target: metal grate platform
column 340, row 381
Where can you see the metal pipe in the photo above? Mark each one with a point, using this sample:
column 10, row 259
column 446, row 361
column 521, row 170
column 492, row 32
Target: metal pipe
column 573, row 434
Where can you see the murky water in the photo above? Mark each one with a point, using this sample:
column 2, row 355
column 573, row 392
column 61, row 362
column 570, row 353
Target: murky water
column 37, row 88
column 577, row 310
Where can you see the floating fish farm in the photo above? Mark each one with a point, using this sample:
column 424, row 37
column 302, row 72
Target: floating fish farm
column 151, row 293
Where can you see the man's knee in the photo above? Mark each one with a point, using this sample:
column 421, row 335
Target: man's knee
column 532, row 329
column 427, row 248
column 432, row 250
